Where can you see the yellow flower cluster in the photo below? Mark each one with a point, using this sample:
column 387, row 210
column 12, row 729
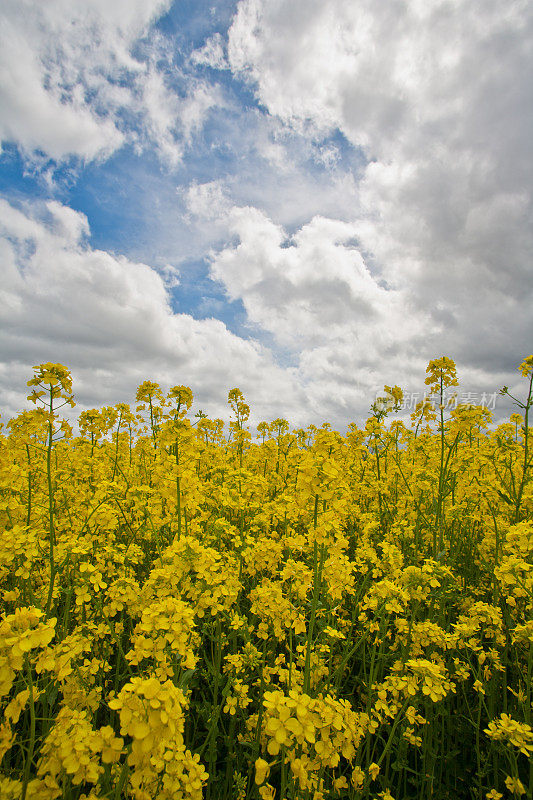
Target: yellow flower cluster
column 20, row 633
column 189, row 610
column 311, row 733
column 166, row 630
column 152, row 715
column 74, row 752
column 275, row 610
column 506, row 729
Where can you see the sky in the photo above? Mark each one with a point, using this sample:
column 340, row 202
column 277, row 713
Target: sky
column 306, row 199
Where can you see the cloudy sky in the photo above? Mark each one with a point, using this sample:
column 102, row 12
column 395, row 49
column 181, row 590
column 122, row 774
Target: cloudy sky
column 303, row 198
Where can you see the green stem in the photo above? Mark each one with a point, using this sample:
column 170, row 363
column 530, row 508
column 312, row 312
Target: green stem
column 525, row 468
column 317, row 581
column 51, row 528
column 31, row 747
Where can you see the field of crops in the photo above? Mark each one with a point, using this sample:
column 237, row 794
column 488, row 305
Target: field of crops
column 191, row 611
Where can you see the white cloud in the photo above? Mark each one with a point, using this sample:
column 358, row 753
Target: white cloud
column 170, row 120
column 315, row 295
column 70, row 84
column 36, row 117
column 438, row 95
column 110, row 321
column 211, row 54
column 71, row 225
column 305, row 289
column 207, row 200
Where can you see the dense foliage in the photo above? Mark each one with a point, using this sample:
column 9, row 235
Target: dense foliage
column 190, row 613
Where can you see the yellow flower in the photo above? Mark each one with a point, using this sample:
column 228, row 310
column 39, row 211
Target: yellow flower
column 262, row 771
column 515, row 785
column 506, row 729
column 16, row 706
column 333, row 634
column 526, row 367
column 267, row 792
column 7, row 738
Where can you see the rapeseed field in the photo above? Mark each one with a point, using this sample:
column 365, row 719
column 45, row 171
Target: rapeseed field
column 190, row 612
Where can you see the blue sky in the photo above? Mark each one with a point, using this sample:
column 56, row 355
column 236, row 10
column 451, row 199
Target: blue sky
column 306, row 199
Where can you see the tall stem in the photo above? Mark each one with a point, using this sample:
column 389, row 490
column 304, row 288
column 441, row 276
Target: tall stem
column 116, row 446
column 438, row 516
column 30, row 474
column 178, row 486
column 317, row 581
column 51, row 528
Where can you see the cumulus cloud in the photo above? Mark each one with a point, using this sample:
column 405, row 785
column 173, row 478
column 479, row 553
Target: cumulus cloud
column 438, row 96
column 305, row 288
column 315, row 295
column 327, row 311
column 72, row 82
column 109, row 319
column 355, row 270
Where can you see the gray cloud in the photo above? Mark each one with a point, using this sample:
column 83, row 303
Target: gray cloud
column 360, row 277
column 439, row 96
